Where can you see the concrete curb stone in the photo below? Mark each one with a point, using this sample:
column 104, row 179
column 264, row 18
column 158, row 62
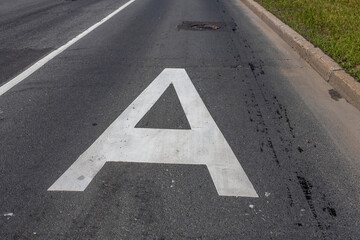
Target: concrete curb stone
column 328, row 69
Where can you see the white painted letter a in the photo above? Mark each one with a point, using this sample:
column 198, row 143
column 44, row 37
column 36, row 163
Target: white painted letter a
column 203, row 144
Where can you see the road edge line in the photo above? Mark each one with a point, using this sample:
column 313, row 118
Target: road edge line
column 37, row 65
column 327, row 68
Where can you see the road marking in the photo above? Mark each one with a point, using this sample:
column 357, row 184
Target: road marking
column 122, row 142
column 22, row 76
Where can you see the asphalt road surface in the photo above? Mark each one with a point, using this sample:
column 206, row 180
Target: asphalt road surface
column 195, row 120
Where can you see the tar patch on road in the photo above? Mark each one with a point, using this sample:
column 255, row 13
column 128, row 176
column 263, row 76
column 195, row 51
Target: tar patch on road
column 334, row 94
column 207, row 26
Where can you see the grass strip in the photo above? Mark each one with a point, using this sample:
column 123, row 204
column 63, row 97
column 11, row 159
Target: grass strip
column 331, row 25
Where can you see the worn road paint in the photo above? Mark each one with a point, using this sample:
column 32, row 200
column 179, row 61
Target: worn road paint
column 22, row 76
column 203, row 144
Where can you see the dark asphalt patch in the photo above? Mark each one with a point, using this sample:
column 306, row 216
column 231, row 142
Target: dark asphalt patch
column 335, row 94
column 207, row 26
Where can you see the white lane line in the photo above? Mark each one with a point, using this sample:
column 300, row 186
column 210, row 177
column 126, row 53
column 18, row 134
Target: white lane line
column 19, row 78
column 204, row 144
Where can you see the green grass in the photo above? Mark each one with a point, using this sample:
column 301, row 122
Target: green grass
column 331, row 25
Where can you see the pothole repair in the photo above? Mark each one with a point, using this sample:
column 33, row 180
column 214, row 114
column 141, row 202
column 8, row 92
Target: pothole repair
column 205, row 27
column 335, row 95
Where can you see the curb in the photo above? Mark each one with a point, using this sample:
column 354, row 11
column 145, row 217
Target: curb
column 328, row 69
